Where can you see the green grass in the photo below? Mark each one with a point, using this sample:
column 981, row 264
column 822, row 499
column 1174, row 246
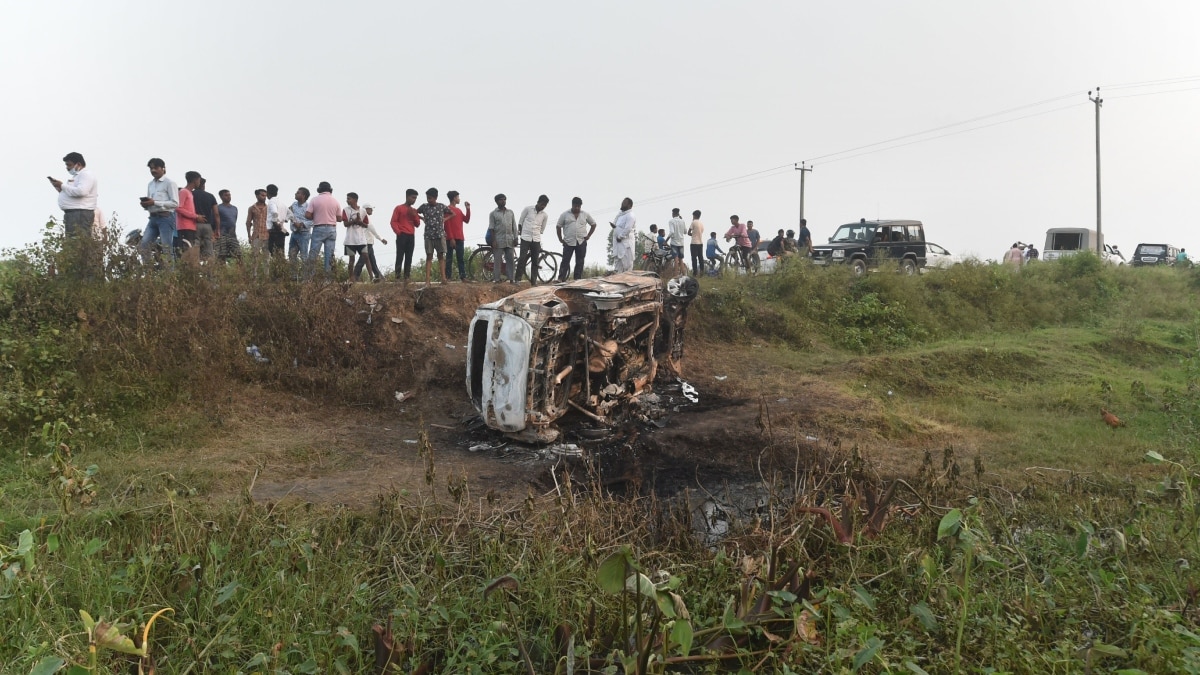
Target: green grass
column 1073, row 549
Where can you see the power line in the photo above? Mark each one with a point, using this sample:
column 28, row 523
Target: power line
column 947, row 126
column 891, row 144
column 709, row 185
column 1155, row 93
column 1151, row 83
column 955, row 133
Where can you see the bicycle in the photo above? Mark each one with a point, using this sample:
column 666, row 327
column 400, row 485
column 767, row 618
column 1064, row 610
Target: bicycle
column 482, row 265
column 739, row 260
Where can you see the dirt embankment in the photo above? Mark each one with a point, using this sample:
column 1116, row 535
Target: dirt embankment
column 322, row 421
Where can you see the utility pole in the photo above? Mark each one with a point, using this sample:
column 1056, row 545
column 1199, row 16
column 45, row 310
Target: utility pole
column 1099, row 235
column 803, row 170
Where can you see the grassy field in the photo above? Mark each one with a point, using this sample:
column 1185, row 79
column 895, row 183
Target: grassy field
column 971, row 511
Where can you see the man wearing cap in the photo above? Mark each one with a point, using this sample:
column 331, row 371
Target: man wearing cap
column 372, row 237
column 623, row 236
column 533, row 222
column 574, row 228
column 503, row 227
column 326, row 213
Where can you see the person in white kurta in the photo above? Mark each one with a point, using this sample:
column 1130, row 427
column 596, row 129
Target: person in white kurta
column 623, row 237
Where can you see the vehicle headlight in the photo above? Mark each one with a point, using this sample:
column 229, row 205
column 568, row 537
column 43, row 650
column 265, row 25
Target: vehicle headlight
column 839, row 254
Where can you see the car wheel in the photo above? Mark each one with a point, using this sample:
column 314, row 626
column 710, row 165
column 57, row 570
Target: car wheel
column 859, row 266
column 908, row 267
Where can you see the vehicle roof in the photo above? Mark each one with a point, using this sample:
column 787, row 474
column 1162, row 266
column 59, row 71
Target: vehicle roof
column 883, row 222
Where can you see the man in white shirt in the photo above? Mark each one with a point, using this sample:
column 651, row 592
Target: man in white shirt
column 697, row 233
column 532, row 223
column 356, row 220
column 160, row 202
column 77, row 196
column 622, row 237
column 276, row 217
column 574, row 228
column 369, row 257
column 676, row 234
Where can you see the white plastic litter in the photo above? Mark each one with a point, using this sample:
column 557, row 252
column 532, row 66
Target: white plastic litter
column 403, row 396
column 254, row 352
column 721, row 378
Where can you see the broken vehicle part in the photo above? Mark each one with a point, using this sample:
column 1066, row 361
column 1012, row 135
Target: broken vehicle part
column 590, row 345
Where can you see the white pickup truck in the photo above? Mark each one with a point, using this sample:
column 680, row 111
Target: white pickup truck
column 1065, row 241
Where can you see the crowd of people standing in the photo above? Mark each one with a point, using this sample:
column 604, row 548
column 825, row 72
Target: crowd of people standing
column 191, row 223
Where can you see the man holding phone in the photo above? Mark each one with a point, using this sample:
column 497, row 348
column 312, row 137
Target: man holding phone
column 161, row 200
column 77, row 196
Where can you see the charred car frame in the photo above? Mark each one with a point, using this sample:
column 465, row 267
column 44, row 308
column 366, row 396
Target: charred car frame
column 589, row 345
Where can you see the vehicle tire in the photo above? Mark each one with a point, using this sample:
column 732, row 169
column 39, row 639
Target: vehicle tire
column 908, row 267
column 480, row 264
column 859, row 266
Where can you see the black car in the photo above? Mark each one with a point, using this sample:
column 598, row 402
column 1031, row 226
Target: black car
column 867, row 243
column 1154, row 254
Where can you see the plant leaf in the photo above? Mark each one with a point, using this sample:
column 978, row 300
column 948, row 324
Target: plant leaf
column 507, row 582
column 226, row 592
column 1155, row 457
column 1109, row 650
column 52, row 542
column 88, row 622
column 108, row 636
column 93, row 547
column 48, row 666
column 666, row 604
column 867, row 653
column 950, row 525
column 613, row 571
column 924, row 615
column 681, row 634
column 864, row 597
column 730, row 620
column 914, row 668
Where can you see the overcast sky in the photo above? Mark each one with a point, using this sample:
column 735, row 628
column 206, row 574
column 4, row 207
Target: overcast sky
column 611, row 99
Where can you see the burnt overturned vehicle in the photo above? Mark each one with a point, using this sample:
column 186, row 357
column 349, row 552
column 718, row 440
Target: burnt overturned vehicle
column 589, row 346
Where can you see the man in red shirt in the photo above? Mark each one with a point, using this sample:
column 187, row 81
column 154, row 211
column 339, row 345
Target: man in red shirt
column 455, row 244
column 405, row 221
column 186, row 217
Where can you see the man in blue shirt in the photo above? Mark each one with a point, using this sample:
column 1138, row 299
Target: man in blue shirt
column 804, row 239
column 712, row 252
column 227, row 215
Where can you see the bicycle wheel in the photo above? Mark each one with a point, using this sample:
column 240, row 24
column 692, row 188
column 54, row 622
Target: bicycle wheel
column 752, row 268
column 480, row 265
column 730, row 264
column 548, row 267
